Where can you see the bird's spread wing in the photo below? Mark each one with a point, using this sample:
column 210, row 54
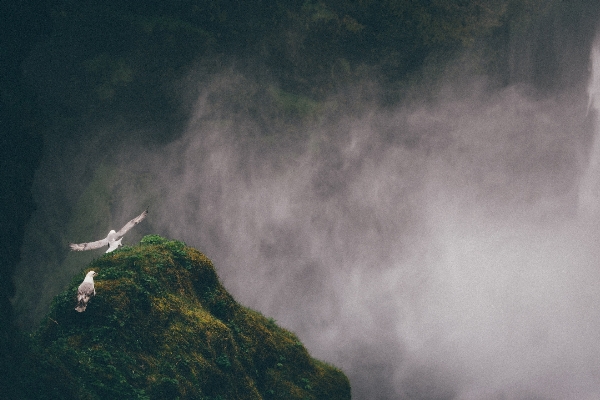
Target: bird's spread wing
column 89, row 246
column 132, row 223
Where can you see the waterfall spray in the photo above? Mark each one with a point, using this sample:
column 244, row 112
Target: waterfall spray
column 589, row 190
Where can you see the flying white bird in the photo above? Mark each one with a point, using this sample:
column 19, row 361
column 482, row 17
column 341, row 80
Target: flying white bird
column 86, row 291
column 113, row 239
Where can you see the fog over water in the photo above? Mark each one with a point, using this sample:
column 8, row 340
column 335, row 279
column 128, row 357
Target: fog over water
column 432, row 251
column 445, row 248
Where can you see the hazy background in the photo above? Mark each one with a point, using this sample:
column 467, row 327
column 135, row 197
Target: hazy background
column 435, row 239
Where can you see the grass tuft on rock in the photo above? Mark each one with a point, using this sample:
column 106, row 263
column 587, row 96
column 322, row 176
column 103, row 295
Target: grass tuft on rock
column 162, row 326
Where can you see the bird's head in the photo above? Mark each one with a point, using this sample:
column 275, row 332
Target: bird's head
column 91, row 274
column 112, row 235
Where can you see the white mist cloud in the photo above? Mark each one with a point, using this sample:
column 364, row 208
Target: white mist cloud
column 431, row 251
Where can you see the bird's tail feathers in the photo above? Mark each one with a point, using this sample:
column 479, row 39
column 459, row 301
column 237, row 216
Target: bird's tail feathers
column 81, row 305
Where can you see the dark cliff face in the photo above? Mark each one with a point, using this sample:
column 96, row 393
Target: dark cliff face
column 162, row 326
column 21, row 127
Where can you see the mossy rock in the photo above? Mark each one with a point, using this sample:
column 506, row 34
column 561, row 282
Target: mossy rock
column 162, row 326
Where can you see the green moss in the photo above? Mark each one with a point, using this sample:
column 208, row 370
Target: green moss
column 162, row 326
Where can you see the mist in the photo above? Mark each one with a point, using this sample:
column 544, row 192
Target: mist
column 442, row 248
column 435, row 250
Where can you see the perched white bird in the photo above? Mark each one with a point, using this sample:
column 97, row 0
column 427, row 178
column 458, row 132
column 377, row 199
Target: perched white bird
column 113, row 239
column 86, row 291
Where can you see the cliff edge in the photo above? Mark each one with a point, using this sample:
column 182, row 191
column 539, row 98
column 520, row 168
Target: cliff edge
column 162, row 326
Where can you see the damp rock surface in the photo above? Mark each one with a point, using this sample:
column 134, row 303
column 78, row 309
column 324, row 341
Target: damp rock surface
column 162, row 326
